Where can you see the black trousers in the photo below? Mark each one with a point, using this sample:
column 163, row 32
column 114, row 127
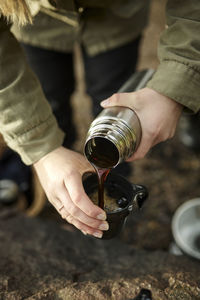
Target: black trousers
column 104, row 75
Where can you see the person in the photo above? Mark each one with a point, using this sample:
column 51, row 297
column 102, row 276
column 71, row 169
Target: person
column 53, row 66
column 102, row 27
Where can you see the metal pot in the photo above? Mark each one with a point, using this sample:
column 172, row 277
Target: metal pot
column 186, row 228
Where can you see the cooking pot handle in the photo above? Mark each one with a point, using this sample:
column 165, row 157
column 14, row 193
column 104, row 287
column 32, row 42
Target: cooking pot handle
column 141, row 194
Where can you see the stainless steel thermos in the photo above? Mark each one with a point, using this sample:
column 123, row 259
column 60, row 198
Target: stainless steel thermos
column 115, row 134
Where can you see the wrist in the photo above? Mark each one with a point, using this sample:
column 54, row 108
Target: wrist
column 47, row 156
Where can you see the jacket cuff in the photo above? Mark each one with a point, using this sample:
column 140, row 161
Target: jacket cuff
column 177, row 81
column 38, row 141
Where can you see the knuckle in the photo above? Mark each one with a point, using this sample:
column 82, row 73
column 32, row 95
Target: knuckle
column 94, row 224
column 70, row 173
column 139, row 156
column 172, row 133
column 154, row 132
column 69, row 219
column 166, row 136
column 116, row 98
column 73, row 211
column 90, row 212
column 64, row 214
column 77, row 199
column 90, row 231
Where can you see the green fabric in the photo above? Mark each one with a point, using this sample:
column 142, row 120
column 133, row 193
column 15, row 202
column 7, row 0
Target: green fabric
column 178, row 75
column 26, row 119
column 101, row 26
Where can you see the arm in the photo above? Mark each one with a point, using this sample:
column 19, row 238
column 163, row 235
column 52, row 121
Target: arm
column 175, row 84
column 178, row 74
column 29, row 127
column 26, row 120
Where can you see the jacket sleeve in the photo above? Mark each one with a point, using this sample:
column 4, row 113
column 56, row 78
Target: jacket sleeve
column 26, row 120
column 178, row 75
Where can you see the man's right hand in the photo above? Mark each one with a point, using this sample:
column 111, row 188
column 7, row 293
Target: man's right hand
column 60, row 173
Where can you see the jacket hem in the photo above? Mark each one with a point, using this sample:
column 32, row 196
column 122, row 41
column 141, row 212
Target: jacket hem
column 37, row 142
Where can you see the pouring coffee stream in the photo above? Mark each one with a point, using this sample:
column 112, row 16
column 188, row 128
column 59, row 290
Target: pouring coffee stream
column 115, row 134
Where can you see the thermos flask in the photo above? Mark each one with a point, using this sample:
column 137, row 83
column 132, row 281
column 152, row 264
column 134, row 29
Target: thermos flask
column 115, row 134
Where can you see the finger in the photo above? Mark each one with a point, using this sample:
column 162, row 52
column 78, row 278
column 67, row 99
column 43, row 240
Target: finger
column 60, row 208
column 119, row 99
column 56, row 203
column 59, row 201
column 69, row 207
column 80, row 199
column 83, row 227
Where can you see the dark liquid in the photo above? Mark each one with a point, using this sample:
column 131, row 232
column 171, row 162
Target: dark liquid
column 102, row 174
column 103, row 155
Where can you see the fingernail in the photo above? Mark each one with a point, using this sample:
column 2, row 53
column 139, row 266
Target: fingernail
column 104, row 102
column 98, row 234
column 84, row 232
column 101, row 217
column 104, row 226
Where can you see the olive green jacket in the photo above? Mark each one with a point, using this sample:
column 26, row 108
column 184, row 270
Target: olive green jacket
column 26, row 119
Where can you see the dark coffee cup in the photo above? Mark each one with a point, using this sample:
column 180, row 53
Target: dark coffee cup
column 118, row 188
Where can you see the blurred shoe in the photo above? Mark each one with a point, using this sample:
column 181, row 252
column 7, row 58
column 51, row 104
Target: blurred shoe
column 189, row 132
column 14, row 170
column 9, row 192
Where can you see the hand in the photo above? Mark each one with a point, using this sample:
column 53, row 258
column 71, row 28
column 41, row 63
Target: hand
column 60, row 173
column 157, row 113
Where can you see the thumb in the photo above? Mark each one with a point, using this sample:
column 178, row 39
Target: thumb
column 119, row 99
